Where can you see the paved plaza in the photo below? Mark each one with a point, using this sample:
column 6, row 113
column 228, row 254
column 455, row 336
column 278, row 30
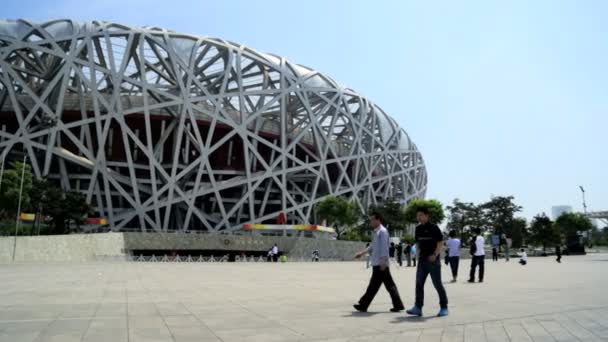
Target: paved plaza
column 543, row 301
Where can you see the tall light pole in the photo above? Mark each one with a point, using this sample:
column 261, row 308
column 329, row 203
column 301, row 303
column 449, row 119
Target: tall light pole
column 584, row 202
column 19, row 206
column 2, row 167
column 584, row 208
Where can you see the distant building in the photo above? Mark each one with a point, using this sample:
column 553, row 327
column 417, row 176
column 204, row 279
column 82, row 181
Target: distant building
column 558, row 210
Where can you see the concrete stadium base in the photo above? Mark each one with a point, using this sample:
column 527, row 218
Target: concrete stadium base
column 122, row 246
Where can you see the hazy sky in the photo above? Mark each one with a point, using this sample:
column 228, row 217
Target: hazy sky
column 501, row 97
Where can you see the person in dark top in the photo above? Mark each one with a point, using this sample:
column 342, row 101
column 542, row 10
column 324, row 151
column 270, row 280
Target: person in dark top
column 391, row 252
column 399, row 251
column 408, row 256
column 558, row 253
column 430, row 243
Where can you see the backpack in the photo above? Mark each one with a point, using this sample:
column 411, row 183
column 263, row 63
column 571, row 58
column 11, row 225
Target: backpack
column 473, row 246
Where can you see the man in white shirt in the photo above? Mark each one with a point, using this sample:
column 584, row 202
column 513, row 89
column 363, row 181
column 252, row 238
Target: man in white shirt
column 478, row 254
column 275, row 253
column 453, row 246
column 380, row 270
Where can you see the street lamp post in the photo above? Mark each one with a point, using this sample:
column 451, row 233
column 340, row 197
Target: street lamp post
column 584, row 208
column 584, row 202
column 2, row 167
column 19, row 206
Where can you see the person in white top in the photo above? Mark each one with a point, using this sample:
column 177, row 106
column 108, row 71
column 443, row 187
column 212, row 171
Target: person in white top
column 524, row 257
column 453, row 246
column 275, row 253
column 478, row 254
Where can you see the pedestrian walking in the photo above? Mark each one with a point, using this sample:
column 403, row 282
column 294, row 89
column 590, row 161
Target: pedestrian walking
column 453, row 246
column 508, row 242
column 408, row 254
column 380, row 263
column 413, row 252
column 399, row 252
column 558, row 253
column 478, row 255
column 430, row 243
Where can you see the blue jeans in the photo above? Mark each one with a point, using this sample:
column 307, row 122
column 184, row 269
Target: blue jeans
column 425, row 267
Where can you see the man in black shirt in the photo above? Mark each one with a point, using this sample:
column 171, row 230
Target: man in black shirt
column 430, row 242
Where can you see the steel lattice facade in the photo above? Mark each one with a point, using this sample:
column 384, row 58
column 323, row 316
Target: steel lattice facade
column 163, row 130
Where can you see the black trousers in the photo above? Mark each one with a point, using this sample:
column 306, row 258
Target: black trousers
column 475, row 261
column 378, row 278
column 454, row 261
column 426, row 268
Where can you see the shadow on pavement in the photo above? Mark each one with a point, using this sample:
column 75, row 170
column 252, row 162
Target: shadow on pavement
column 413, row 319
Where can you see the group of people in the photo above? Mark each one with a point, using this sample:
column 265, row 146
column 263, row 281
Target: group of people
column 429, row 242
column 427, row 249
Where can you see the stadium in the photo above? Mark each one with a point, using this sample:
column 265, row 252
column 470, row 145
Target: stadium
column 168, row 131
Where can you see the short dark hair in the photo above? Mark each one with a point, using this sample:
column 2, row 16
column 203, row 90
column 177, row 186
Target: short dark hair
column 452, row 233
column 376, row 215
column 477, row 231
column 423, row 210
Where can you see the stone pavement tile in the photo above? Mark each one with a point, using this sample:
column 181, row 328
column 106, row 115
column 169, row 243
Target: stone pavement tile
column 142, row 309
column 555, row 329
column 516, row 331
column 172, row 309
column 276, row 334
column 111, row 310
column 601, row 322
column 575, row 329
column 408, row 335
column 104, row 329
column 237, row 321
column 588, row 324
column 79, row 311
column 431, row 335
column 186, row 328
column 21, row 331
column 148, row 328
column 31, row 312
column 474, row 333
column 188, row 334
column 495, row 332
column 318, row 328
column 536, row 331
column 454, row 333
column 64, row 331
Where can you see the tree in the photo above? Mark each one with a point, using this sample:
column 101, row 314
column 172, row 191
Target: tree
column 517, row 231
column 11, row 188
column 77, row 208
column 573, row 223
column 500, row 212
column 393, row 216
column 339, row 213
column 463, row 216
column 543, row 232
column 53, row 205
column 434, row 206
